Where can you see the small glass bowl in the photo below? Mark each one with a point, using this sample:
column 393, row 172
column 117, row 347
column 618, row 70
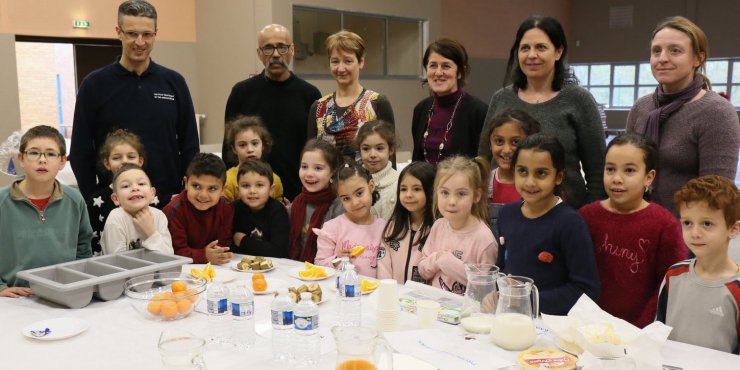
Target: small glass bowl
column 152, row 295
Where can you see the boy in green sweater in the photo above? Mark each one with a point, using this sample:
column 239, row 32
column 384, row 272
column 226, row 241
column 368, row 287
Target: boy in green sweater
column 42, row 222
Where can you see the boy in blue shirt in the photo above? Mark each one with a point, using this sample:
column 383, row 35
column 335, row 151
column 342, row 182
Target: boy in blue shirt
column 42, row 222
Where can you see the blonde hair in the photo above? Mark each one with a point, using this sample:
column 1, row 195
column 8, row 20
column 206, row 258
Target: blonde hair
column 475, row 169
column 346, row 41
column 699, row 41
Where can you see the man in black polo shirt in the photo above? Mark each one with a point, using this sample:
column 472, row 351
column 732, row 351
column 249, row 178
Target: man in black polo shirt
column 281, row 100
column 141, row 96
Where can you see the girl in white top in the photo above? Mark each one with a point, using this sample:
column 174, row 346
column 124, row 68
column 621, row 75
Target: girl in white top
column 134, row 224
column 462, row 234
column 376, row 143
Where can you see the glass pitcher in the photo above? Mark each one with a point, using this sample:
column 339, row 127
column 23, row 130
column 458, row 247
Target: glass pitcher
column 517, row 307
column 361, row 348
column 480, row 293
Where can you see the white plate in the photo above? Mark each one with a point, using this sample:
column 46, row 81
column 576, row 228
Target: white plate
column 233, row 267
column 273, row 285
column 61, row 328
column 223, row 274
column 329, row 273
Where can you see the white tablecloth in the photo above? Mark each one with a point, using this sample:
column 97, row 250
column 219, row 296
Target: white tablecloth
column 120, row 338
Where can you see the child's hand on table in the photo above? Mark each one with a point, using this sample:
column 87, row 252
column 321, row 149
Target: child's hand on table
column 16, row 292
column 218, row 255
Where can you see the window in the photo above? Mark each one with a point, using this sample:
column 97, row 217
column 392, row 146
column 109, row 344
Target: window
column 619, row 85
column 393, row 45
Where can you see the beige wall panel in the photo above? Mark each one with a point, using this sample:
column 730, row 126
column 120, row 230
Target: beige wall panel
column 487, row 27
column 176, row 18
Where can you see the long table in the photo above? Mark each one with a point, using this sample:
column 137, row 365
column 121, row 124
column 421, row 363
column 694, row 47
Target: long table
column 120, row 338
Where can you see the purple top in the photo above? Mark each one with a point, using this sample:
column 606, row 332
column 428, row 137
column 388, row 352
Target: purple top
column 441, row 115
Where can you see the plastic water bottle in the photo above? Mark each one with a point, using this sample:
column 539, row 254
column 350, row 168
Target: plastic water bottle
column 306, row 335
column 242, row 314
column 344, row 261
column 282, row 326
column 219, row 322
column 350, row 291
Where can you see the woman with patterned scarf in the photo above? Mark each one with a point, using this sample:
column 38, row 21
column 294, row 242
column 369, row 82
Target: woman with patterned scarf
column 337, row 117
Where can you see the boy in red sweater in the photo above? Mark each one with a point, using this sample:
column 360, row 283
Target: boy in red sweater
column 199, row 217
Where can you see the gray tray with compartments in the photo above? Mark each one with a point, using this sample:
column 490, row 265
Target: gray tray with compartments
column 73, row 284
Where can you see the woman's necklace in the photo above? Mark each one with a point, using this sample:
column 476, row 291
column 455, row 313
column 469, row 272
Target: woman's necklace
column 447, row 128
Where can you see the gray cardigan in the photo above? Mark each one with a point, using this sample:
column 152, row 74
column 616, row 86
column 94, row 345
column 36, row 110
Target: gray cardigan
column 573, row 118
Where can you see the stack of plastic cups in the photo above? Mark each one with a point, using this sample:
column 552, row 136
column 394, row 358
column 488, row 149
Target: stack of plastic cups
column 389, row 310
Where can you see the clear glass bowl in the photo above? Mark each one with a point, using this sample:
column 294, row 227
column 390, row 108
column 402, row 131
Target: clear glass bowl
column 153, row 297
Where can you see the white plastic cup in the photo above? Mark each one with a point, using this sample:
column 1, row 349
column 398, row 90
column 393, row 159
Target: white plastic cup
column 426, row 313
column 388, row 295
column 388, row 320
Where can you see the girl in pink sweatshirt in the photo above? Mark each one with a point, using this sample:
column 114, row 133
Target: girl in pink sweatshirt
column 462, row 234
column 357, row 226
column 408, row 228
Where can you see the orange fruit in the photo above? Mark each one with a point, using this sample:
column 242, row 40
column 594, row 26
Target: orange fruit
column 259, row 285
column 184, row 305
column 192, row 294
column 179, row 286
column 165, row 295
column 169, row 309
column 258, row 276
column 154, row 308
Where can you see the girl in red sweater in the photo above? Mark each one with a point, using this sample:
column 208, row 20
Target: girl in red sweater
column 635, row 241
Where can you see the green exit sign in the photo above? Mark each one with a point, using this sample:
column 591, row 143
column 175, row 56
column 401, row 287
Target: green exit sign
column 81, row 24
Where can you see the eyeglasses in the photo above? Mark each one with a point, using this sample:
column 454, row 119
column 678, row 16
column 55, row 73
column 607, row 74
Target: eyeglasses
column 132, row 35
column 35, row 155
column 270, row 49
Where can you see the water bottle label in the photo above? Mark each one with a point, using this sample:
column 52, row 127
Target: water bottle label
column 306, row 323
column 218, row 307
column 282, row 317
column 242, row 309
column 350, row 291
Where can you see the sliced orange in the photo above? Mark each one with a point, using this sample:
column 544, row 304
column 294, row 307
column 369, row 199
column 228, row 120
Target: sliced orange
column 258, row 276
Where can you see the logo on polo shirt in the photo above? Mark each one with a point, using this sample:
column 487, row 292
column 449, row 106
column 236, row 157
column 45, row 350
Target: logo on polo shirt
column 164, row 96
column 717, row 311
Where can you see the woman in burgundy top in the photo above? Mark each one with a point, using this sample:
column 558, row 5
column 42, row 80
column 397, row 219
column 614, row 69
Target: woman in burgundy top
column 450, row 121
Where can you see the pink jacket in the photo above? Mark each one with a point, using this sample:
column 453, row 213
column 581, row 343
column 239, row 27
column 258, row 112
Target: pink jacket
column 399, row 260
column 340, row 234
column 447, row 249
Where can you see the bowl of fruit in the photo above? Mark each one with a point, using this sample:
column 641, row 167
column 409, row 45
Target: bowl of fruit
column 164, row 296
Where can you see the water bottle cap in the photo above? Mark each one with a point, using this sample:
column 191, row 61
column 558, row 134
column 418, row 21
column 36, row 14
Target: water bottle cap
column 306, row 296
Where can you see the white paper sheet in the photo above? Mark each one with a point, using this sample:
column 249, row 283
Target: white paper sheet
column 445, row 351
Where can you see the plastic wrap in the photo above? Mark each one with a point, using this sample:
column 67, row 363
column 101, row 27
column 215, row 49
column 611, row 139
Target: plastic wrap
column 8, row 151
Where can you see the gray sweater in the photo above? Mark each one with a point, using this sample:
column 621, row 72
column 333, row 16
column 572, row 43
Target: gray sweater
column 700, row 138
column 701, row 312
column 573, row 118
